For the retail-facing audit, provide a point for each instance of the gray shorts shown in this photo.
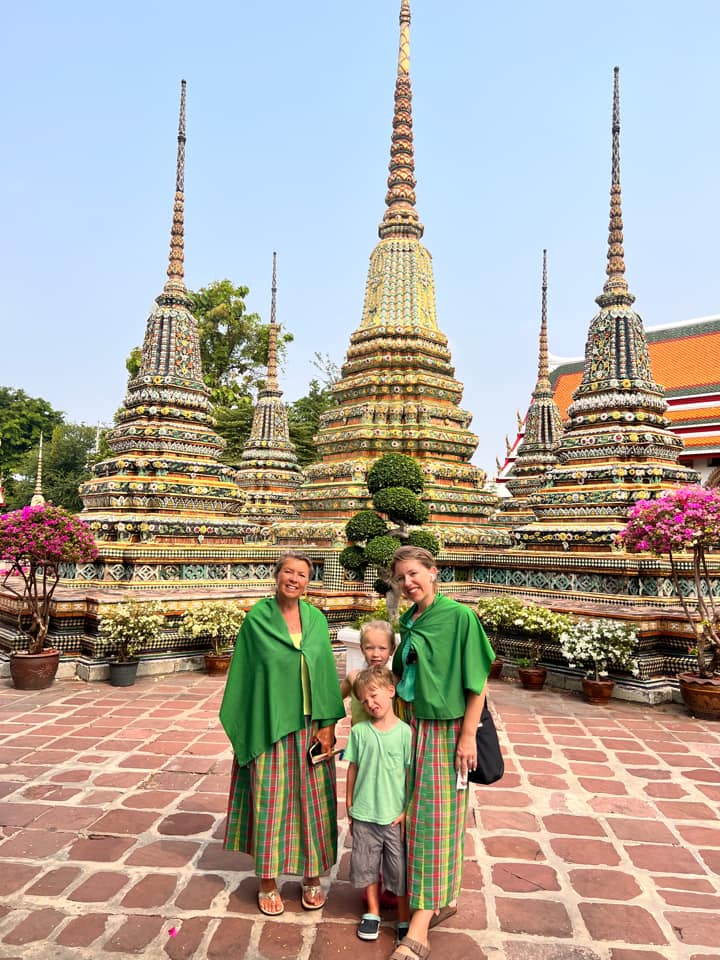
(378, 848)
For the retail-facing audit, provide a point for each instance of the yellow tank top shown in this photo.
(304, 675)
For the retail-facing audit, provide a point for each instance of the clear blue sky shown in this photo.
(289, 113)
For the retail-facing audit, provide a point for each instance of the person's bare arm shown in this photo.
(347, 683)
(349, 788)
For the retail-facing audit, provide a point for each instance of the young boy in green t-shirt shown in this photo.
(378, 752)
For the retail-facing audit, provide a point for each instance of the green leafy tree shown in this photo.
(395, 482)
(67, 457)
(22, 420)
(304, 414)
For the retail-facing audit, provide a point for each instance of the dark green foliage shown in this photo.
(354, 559)
(364, 526)
(22, 420)
(401, 505)
(381, 586)
(421, 538)
(380, 550)
(67, 454)
(304, 420)
(234, 425)
(395, 470)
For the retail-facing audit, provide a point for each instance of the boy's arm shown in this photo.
(349, 788)
(347, 683)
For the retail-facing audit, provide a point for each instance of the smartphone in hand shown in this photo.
(316, 755)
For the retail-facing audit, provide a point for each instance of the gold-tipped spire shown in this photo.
(37, 497)
(175, 283)
(401, 218)
(616, 285)
(271, 382)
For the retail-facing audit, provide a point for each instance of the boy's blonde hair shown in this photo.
(373, 676)
(381, 625)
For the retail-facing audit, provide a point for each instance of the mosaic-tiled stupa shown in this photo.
(269, 472)
(164, 480)
(536, 454)
(397, 392)
(617, 446)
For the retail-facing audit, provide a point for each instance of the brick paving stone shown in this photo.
(213, 783)
(576, 826)
(545, 918)
(630, 806)
(333, 940)
(343, 902)
(184, 945)
(191, 764)
(524, 877)
(591, 852)
(216, 857)
(547, 783)
(82, 931)
(13, 876)
(696, 929)
(36, 926)
(700, 836)
(658, 859)
(128, 778)
(624, 954)
(281, 941)
(167, 780)
(702, 776)
(522, 848)
(595, 785)
(132, 822)
(712, 793)
(150, 800)
(458, 946)
(649, 773)
(617, 921)
(185, 824)
(52, 883)
(99, 849)
(66, 818)
(206, 802)
(230, 939)
(667, 791)
(21, 814)
(627, 829)
(99, 887)
(507, 798)
(507, 820)
(143, 761)
(684, 883)
(681, 898)
(9, 786)
(199, 892)
(34, 844)
(163, 853)
(604, 884)
(134, 935)
(590, 756)
(101, 798)
(536, 950)
(154, 890)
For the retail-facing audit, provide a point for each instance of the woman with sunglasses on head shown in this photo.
(282, 698)
(443, 662)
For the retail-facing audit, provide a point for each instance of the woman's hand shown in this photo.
(326, 736)
(465, 754)
(400, 820)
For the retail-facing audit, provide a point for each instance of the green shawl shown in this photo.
(453, 656)
(263, 698)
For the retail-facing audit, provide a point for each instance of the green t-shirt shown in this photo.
(382, 758)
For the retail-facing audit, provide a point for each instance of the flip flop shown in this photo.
(444, 914)
(274, 897)
(309, 892)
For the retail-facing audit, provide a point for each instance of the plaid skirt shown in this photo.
(435, 827)
(282, 810)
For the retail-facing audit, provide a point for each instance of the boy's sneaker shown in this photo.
(401, 932)
(369, 926)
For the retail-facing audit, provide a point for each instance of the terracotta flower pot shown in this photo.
(532, 678)
(217, 664)
(496, 668)
(34, 671)
(597, 691)
(701, 696)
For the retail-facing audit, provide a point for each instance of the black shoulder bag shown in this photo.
(490, 765)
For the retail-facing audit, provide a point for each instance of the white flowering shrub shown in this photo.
(217, 621)
(537, 623)
(597, 644)
(130, 626)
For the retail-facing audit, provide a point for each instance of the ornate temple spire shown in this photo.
(542, 379)
(268, 471)
(615, 289)
(271, 382)
(175, 283)
(401, 218)
(37, 497)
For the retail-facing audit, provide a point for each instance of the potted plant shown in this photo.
(129, 626)
(217, 622)
(684, 525)
(541, 626)
(595, 644)
(497, 615)
(35, 542)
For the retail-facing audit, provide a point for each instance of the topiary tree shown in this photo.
(394, 481)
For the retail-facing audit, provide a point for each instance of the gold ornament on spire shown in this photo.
(616, 285)
(37, 497)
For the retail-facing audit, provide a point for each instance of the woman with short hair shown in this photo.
(282, 696)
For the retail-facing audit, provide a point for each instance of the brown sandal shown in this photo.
(418, 949)
(443, 914)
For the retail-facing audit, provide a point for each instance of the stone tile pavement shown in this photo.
(602, 841)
